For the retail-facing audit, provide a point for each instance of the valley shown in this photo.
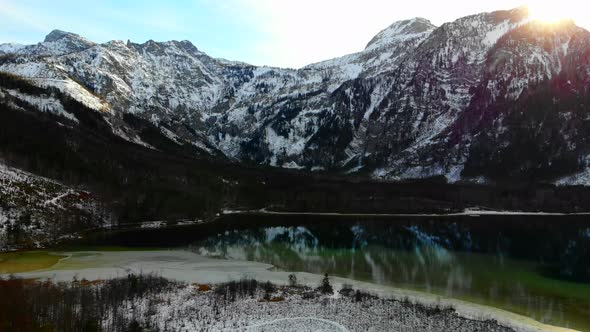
(439, 178)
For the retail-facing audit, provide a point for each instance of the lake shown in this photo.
(537, 266)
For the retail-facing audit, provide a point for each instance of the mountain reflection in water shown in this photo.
(540, 272)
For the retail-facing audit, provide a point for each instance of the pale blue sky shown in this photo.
(287, 33)
(205, 22)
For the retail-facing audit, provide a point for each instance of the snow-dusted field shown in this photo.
(188, 309)
(184, 309)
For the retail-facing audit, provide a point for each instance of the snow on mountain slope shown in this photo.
(10, 48)
(35, 209)
(56, 43)
(426, 95)
(169, 76)
(54, 97)
(175, 84)
(52, 75)
(409, 105)
(163, 82)
(579, 179)
(530, 117)
(383, 53)
(284, 118)
(48, 104)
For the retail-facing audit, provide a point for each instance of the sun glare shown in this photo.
(551, 11)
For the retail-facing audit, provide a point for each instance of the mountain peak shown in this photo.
(401, 30)
(59, 42)
(56, 35)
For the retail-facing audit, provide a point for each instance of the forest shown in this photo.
(28, 305)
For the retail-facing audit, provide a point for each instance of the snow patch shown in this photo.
(44, 104)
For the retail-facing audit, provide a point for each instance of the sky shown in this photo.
(284, 33)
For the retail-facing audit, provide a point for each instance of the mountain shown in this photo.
(487, 97)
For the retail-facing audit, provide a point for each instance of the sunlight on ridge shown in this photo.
(554, 11)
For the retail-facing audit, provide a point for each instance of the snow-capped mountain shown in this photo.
(489, 95)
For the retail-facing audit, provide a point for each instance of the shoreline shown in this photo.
(465, 213)
(159, 224)
(189, 267)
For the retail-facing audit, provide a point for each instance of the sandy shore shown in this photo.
(192, 268)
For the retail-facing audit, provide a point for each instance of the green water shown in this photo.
(534, 266)
(533, 271)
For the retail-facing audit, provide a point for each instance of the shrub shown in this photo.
(325, 287)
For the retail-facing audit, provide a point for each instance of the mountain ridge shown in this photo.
(404, 107)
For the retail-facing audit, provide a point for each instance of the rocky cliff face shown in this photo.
(492, 95)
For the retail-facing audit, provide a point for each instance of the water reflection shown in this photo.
(525, 271)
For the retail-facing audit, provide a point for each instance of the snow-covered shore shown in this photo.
(192, 268)
(293, 309)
